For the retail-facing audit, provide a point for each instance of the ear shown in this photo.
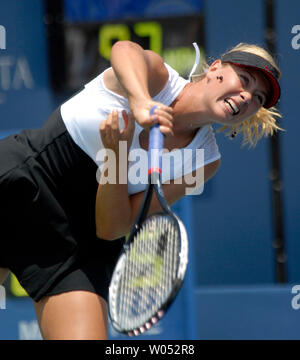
(216, 65)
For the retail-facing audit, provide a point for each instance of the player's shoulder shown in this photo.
(158, 72)
(156, 63)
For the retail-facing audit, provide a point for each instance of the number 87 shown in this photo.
(110, 32)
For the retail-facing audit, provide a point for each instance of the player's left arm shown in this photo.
(122, 216)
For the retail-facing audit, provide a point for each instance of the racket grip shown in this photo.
(156, 143)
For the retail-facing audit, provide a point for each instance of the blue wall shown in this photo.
(289, 60)
(25, 97)
(233, 222)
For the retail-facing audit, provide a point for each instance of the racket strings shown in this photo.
(150, 271)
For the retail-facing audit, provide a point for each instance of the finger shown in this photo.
(165, 114)
(165, 122)
(150, 121)
(125, 118)
(129, 124)
(115, 120)
(166, 130)
(165, 108)
(109, 120)
(102, 125)
(104, 122)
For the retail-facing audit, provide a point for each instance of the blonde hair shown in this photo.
(261, 124)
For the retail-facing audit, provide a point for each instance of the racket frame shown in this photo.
(154, 185)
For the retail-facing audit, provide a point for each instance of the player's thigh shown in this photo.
(74, 315)
(3, 274)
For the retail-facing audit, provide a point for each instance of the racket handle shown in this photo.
(156, 143)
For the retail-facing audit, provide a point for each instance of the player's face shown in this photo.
(240, 93)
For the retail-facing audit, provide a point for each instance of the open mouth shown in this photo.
(231, 106)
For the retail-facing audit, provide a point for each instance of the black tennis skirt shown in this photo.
(48, 236)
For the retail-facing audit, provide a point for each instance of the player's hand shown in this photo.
(163, 115)
(111, 134)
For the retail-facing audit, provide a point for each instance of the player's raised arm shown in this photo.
(142, 74)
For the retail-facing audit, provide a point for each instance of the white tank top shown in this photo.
(83, 113)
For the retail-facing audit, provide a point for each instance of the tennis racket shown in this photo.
(152, 266)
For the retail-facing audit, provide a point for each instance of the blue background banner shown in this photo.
(25, 96)
(109, 10)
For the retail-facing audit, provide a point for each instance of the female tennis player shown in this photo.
(64, 226)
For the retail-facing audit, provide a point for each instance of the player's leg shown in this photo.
(3, 274)
(74, 315)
